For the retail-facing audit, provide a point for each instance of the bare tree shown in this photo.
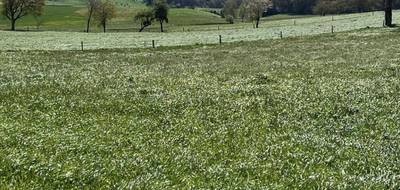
(388, 4)
(145, 17)
(256, 8)
(91, 6)
(104, 12)
(16, 9)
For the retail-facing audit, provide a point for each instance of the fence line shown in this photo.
(284, 32)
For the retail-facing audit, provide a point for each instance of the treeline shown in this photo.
(292, 6)
(191, 3)
(253, 10)
(329, 6)
(345, 6)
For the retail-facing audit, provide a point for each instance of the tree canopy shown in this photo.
(161, 12)
(16, 9)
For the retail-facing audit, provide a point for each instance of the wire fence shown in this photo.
(276, 30)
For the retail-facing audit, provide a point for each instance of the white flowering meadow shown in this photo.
(317, 112)
(196, 35)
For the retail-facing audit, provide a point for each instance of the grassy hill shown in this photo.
(70, 15)
(121, 3)
(299, 113)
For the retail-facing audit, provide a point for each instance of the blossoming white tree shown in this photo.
(256, 8)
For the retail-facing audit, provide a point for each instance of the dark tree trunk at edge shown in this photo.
(143, 27)
(13, 25)
(257, 22)
(388, 12)
(88, 21)
(161, 25)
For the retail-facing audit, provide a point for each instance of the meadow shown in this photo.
(310, 109)
(196, 34)
(71, 16)
(310, 112)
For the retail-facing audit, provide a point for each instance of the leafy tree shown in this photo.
(242, 12)
(16, 9)
(104, 12)
(229, 9)
(161, 12)
(256, 8)
(145, 17)
(92, 6)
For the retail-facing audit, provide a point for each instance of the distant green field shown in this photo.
(194, 34)
(122, 3)
(62, 16)
(314, 112)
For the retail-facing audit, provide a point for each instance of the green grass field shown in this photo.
(299, 113)
(70, 16)
(313, 110)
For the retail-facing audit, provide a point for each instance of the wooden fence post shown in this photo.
(153, 43)
(220, 39)
(281, 34)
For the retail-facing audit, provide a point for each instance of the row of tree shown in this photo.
(329, 6)
(292, 6)
(253, 10)
(237, 8)
(104, 11)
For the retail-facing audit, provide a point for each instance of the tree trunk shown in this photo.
(104, 27)
(388, 13)
(161, 25)
(88, 21)
(142, 28)
(257, 22)
(13, 21)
